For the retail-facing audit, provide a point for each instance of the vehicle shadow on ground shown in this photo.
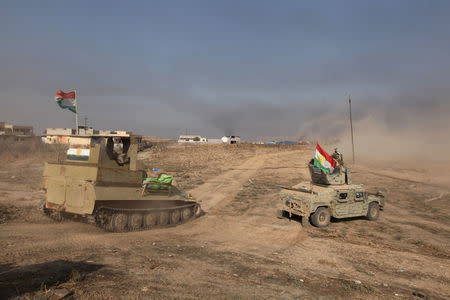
(19, 280)
(308, 223)
(349, 219)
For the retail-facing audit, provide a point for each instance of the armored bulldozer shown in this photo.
(329, 195)
(98, 181)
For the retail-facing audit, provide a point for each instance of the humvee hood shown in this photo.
(321, 189)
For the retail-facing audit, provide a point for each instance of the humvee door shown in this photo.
(341, 207)
(357, 203)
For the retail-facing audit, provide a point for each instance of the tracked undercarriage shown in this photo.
(117, 219)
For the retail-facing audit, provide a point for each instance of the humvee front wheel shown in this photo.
(321, 218)
(373, 212)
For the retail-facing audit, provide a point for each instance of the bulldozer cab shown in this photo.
(104, 151)
(92, 162)
(99, 179)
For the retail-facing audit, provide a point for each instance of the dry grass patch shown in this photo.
(23, 153)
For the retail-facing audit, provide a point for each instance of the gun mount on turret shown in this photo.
(340, 175)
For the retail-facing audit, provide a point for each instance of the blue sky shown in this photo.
(254, 68)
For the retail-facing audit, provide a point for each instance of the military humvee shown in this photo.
(99, 180)
(329, 195)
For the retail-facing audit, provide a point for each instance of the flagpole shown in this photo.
(351, 127)
(76, 111)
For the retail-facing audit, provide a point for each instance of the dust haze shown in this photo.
(411, 127)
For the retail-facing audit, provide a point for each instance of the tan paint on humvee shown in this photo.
(331, 194)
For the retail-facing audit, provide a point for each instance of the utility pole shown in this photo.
(351, 127)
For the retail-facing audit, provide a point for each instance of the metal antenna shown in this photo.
(351, 127)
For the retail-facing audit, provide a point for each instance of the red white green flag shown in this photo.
(67, 100)
(324, 161)
(78, 152)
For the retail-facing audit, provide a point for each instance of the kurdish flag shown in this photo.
(323, 161)
(78, 152)
(67, 100)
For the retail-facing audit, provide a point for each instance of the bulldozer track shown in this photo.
(126, 220)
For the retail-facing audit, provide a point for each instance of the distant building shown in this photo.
(215, 141)
(58, 135)
(15, 132)
(192, 139)
(231, 139)
(63, 135)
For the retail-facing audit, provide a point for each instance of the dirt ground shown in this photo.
(238, 249)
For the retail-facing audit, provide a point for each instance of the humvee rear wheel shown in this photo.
(373, 212)
(119, 222)
(175, 216)
(321, 218)
(135, 221)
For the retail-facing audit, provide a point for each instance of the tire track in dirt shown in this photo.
(216, 193)
(253, 234)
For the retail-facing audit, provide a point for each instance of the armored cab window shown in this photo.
(359, 196)
(342, 196)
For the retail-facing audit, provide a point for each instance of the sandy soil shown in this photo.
(238, 249)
